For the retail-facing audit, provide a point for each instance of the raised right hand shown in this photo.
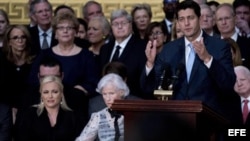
(150, 53)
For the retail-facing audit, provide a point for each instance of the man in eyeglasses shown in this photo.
(226, 22)
(125, 47)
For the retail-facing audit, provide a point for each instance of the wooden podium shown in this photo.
(155, 120)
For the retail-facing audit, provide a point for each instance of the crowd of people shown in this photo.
(60, 73)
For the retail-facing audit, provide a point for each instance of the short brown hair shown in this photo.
(65, 17)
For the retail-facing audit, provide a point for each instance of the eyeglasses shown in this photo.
(16, 38)
(158, 33)
(116, 24)
(62, 28)
(224, 19)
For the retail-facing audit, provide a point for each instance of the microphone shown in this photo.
(166, 80)
(178, 71)
(162, 93)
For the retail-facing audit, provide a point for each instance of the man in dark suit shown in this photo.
(239, 105)
(42, 34)
(125, 48)
(226, 23)
(242, 88)
(207, 20)
(169, 7)
(211, 76)
(242, 12)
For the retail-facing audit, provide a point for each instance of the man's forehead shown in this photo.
(186, 12)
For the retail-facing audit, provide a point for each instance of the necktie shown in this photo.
(245, 110)
(115, 115)
(190, 61)
(116, 54)
(170, 28)
(45, 44)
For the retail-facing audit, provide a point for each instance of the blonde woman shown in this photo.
(51, 119)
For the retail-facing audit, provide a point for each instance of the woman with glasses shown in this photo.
(157, 32)
(77, 62)
(17, 61)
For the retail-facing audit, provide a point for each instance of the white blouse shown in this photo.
(101, 124)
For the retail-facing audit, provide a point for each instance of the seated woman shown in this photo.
(106, 124)
(51, 119)
(97, 103)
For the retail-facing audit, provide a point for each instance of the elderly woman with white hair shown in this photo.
(106, 124)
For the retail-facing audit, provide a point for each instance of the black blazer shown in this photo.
(168, 33)
(134, 58)
(36, 47)
(5, 123)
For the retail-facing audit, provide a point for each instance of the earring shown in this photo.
(103, 37)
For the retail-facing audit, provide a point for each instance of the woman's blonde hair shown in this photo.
(58, 81)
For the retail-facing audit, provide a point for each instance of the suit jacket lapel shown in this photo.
(53, 40)
(198, 62)
(182, 59)
(37, 38)
(129, 46)
(110, 47)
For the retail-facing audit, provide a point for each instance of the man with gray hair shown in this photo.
(42, 35)
(240, 106)
(125, 47)
(207, 20)
(91, 9)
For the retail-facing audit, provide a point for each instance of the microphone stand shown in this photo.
(162, 93)
(165, 90)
